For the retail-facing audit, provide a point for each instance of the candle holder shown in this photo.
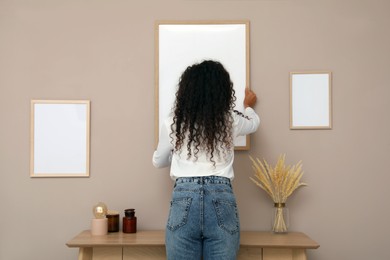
(113, 221)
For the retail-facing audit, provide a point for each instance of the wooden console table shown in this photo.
(150, 245)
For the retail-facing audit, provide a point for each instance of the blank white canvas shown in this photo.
(60, 138)
(182, 45)
(310, 100)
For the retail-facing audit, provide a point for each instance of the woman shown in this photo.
(198, 143)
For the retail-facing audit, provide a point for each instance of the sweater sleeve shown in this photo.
(163, 155)
(246, 123)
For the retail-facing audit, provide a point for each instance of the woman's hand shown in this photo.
(250, 98)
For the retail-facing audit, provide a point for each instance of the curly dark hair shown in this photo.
(202, 110)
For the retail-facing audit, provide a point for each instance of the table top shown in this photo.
(157, 238)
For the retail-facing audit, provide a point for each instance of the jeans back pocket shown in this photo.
(178, 213)
(227, 215)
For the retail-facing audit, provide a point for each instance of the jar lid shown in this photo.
(129, 212)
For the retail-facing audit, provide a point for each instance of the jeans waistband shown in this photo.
(204, 180)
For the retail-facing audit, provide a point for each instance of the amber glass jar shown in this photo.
(129, 221)
(112, 222)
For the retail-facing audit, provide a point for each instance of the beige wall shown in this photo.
(103, 51)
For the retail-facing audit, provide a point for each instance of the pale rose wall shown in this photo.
(103, 51)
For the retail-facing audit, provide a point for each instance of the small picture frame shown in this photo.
(60, 138)
(311, 100)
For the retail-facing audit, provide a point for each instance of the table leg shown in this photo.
(85, 253)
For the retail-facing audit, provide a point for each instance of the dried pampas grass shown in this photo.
(279, 183)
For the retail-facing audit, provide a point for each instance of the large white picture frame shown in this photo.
(180, 44)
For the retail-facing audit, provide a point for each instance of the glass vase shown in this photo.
(280, 218)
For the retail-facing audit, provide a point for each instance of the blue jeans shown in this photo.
(203, 220)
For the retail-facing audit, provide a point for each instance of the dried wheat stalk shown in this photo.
(279, 183)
